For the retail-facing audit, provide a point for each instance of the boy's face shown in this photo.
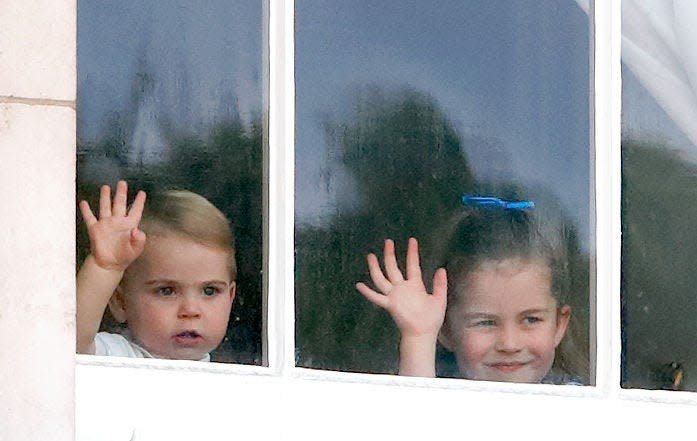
(507, 325)
(176, 297)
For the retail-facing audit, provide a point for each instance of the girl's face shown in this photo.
(505, 325)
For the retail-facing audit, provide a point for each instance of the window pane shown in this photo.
(404, 107)
(659, 170)
(170, 97)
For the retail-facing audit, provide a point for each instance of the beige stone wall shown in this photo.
(37, 216)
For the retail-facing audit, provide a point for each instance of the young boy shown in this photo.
(171, 281)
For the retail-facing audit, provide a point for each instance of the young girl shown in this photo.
(504, 278)
(169, 277)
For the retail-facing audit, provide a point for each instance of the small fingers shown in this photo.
(413, 266)
(120, 199)
(136, 211)
(373, 296)
(104, 201)
(87, 214)
(391, 268)
(376, 274)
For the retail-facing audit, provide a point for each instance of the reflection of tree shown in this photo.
(406, 159)
(225, 166)
(659, 251)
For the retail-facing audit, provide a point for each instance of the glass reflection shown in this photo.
(659, 167)
(170, 97)
(402, 109)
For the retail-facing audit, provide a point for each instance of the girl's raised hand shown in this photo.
(115, 240)
(416, 312)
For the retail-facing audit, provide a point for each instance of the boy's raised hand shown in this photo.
(115, 240)
(417, 313)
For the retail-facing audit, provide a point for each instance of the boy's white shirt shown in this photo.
(117, 345)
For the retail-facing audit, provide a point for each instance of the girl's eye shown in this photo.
(165, 290)
(210, 291)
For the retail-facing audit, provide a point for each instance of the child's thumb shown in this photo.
(137, 238)
(440, 283)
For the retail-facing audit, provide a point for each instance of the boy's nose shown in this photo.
(189, 307)
(508, 339)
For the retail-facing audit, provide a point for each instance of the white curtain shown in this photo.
(659, 46)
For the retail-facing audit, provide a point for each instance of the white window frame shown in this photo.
(49, 393)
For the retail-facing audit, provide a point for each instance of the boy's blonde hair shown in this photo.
(191, 215)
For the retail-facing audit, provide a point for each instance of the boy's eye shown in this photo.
(210, 291)
(165, 290)
(530, 320)
(485, 322)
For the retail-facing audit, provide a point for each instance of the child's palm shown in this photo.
(114, 243)
(115, 240)
(415, 311)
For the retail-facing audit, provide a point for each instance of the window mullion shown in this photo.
(280, 173)
(606, 133)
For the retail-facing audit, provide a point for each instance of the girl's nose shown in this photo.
(509, 339)
(189, 307)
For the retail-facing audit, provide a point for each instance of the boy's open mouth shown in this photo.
(187, 336)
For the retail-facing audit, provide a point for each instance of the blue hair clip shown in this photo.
(494, 202)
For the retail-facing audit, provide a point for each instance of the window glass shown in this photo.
(170, 97)
(404, 107)
(659, 170)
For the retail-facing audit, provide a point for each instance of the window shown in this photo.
(157, 399)
(401, 109)
(170, 97)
